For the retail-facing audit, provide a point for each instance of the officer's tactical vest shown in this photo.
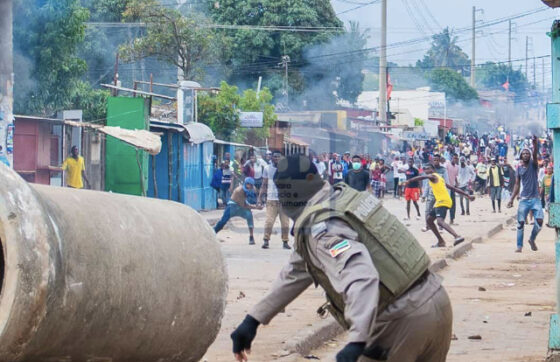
(395, 252)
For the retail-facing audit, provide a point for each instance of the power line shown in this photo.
(358, 7)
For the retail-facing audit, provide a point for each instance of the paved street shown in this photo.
(503, 297)
(491, 265)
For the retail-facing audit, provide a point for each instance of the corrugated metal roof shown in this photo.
(196, 132)
(199, 132)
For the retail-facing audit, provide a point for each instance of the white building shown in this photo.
(408, 105)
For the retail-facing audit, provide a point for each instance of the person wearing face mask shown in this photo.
(383, 293)
(357, 177)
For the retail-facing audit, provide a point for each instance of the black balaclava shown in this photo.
(297, 181)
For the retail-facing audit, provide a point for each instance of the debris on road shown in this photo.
(481, 289)
(476, 336)
(528, 314)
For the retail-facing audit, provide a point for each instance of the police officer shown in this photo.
(374, 273)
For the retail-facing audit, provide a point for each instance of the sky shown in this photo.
(414, 19)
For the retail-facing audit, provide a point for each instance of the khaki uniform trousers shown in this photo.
(274, 209)
(421, 336)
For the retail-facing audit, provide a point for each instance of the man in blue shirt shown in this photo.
(527, 175)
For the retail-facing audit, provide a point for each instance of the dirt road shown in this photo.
(504, 297)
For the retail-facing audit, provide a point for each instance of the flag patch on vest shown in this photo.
(339, 248)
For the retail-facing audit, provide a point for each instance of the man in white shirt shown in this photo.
(259, 168)
(273, 207)
(396, 165)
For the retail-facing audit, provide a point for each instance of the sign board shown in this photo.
(415, 136)
(251, 119)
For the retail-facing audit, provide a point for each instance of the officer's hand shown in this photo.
(351, 352)
(243, 336)
(471, 198)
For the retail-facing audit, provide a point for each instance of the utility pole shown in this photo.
(509, 44)
(527, 57)
(284, 63)
(534, 73)
(543, 87)
(383, 65)
(473, 52)
(6, 80)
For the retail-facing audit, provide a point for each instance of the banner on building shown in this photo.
(251, 119)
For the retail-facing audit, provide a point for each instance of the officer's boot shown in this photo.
(265, 244)
(251, 240)
(286, 246)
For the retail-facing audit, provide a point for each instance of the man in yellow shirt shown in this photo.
(76, 168)
(442, 204)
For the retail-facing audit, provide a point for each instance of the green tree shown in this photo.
(453, 84)
(106, 10)
(444, 52)
(256, 52)
(47, 37)
(249, 102)
(170, 37)
(493, 76)
(221, 112)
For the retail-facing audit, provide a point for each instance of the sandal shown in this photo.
(458, 240)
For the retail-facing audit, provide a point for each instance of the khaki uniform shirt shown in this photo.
(352, 273)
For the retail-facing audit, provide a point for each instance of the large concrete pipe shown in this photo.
(93, 276)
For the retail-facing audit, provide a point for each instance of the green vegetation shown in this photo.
(221, 112)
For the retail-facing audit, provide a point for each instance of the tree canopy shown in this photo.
(221, 112)
(493, 76)
(453, 84)
(252, 53)
(184, 41)
(444, 52)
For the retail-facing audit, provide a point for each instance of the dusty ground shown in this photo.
(252, 270)
(511, 316)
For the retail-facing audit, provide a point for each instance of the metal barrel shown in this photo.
(96, 276)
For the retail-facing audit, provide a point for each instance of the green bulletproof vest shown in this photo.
(395, 252)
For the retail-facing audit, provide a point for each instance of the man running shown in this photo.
(443, 203)
(411, 190)
(527, 178)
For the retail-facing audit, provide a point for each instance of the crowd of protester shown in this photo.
(467, 165)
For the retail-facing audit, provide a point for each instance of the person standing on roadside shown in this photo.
(495, 183)
(527, 178)
(76, 170)
(358, 178)
(273, 208)
(412, 190)
(452, 168)
(509, 180)
(336, 170)
(396, 165)
(465, 177)
(222, 182)
(481, 176)
(442, 204)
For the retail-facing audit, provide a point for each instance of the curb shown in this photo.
(460, 250)
(312, 337)
(315, 336)
(495, 230)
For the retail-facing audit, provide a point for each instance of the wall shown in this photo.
(122, 173)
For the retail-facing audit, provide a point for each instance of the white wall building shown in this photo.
(408, 105)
